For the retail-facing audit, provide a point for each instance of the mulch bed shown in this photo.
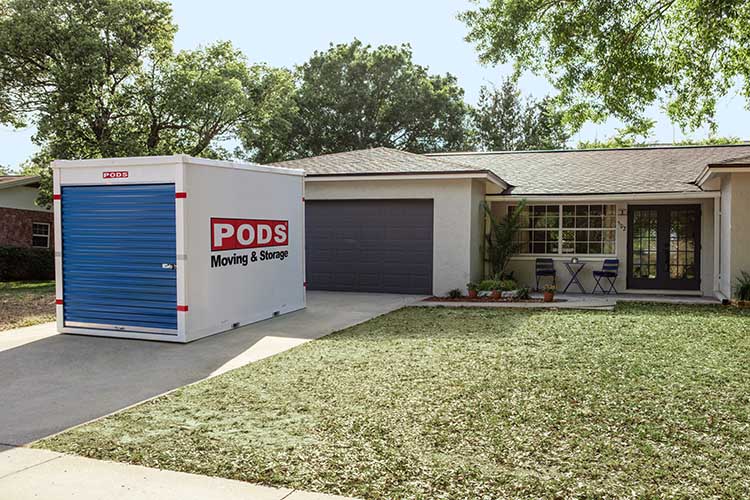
(480, 299)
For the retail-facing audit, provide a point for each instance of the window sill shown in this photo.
(566, 257)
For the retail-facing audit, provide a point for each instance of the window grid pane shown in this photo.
(40, 234)
(567, 229)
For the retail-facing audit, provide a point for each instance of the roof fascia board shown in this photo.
(20, 182)
(710, 171)
(607, 197)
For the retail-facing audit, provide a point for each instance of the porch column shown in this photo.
(717, 246)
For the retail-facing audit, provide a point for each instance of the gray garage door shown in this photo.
(369, 245)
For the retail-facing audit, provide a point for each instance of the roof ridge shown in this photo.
(422, 156)
(592, 150)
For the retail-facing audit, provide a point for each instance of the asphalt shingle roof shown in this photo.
(376, 161)
(741, 161)
(631, 170)
(661, 169)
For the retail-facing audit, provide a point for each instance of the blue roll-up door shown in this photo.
(116, 242)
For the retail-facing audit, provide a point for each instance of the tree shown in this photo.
(353, 96)
(626, 137)
(502, 240)
(619, 57)
(503, 121)
(68, 66)
(198, 98)
(634, 136)
(99, 79)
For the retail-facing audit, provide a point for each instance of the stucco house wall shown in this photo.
(455, 204)
(478, 191)
(22, 198)
(739, 227)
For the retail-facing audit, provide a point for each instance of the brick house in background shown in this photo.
(22, 222)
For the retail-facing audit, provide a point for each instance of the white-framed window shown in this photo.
(40, 235)
(584, 229)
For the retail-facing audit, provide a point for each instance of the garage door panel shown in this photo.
(368, 256)
(370, 245)
(373, 233)
(370, 280)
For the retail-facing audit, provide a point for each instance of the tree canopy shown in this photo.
(617, 58)
(504, 121)
(354, 96)
(99, 78)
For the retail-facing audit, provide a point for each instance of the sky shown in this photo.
(287, 32)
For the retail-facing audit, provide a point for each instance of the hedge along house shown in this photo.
(389, 221)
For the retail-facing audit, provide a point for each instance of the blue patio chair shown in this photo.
(610, 268)
(545, 267)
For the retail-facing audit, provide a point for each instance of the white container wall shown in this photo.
(175, 248)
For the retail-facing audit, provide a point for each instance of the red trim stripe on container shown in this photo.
(180, 194)
(57, 197)
(182, 308)
(58, 302)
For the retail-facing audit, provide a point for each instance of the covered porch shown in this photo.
(666, 243)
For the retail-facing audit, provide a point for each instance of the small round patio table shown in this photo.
(574, 269)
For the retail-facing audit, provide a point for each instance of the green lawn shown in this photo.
(24, 303)
(649, 401)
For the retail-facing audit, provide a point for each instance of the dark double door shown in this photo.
(664, 247)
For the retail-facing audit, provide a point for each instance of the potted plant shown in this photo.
(487, 287)
(491, 288)
(549, 293)
(473, 289)
(508, 289)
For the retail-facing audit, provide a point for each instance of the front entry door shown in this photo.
(664, 247)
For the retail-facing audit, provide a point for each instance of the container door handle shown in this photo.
(169, 266)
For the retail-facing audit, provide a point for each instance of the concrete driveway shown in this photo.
(50, 382)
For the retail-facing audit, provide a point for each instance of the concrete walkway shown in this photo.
(52, 382)
(27, 474)
(579, 301)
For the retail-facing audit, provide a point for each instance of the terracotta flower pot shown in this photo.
(495, 294)
(549, 297)
(472, 294)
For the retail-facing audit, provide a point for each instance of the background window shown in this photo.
(40, 235)
(568, 229)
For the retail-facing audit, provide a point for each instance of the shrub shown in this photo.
(502, 285)
(743, 286)
(524, 293)
(26, 264)
(488, 285)
(455, 293)
(508, 285)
